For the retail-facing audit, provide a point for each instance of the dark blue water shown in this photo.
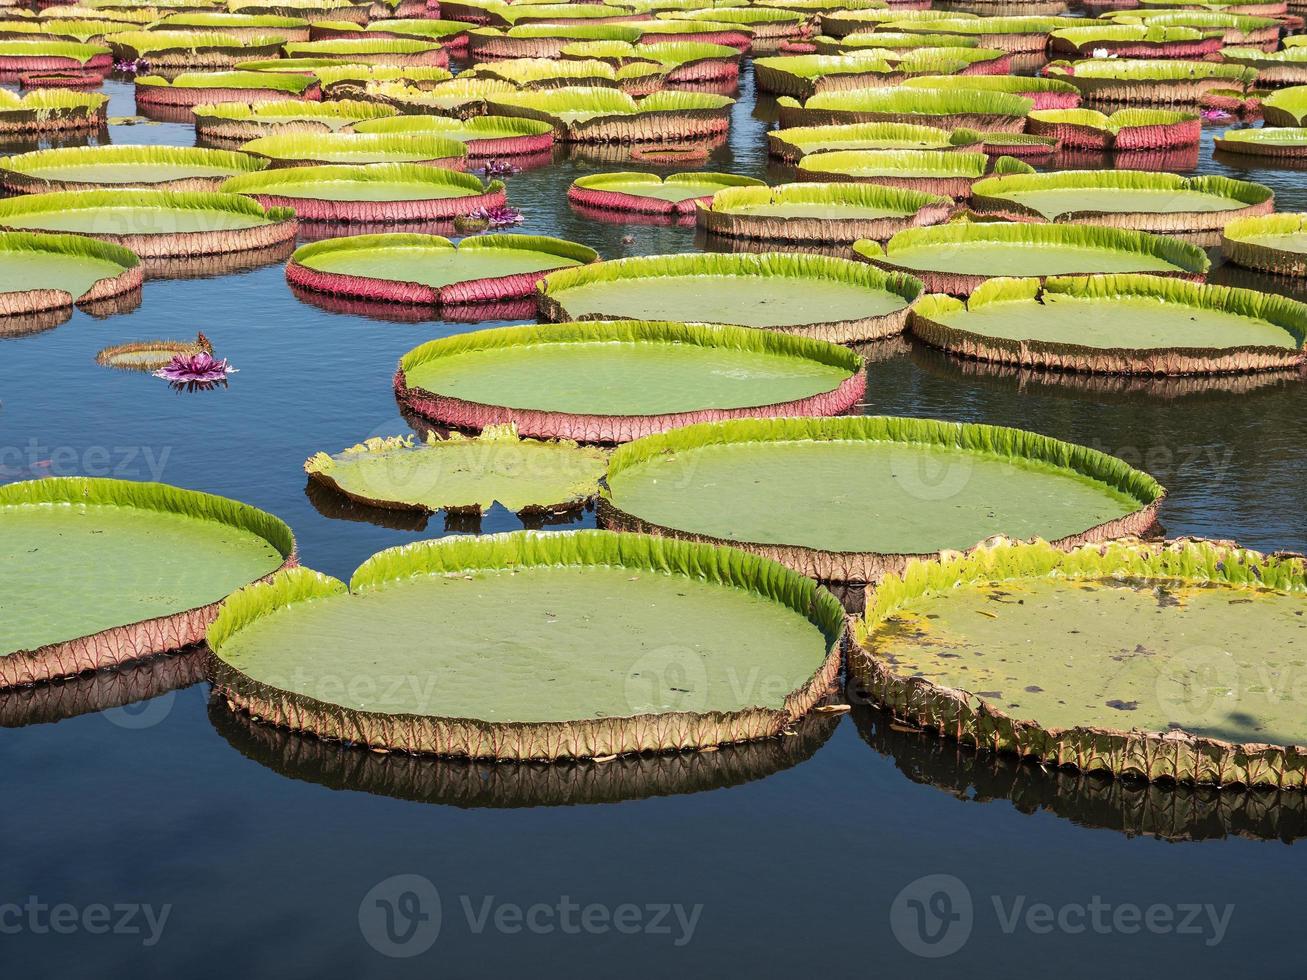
(270, 853)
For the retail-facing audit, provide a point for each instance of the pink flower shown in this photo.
(501, 216)
(499, 168)
(196, 371)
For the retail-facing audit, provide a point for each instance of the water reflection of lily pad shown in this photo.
(1127, 806)
(472, 784)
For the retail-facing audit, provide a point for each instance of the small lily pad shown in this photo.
(151, 355)
(464, 474)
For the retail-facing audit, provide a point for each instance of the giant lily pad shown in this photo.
(375, 192)
(50, 55)
(154, 223)
(313, 149)
(606, 115)
(679, 61)
(193, 49)
(310, 10)
(92, 167)
(512, 687)
(1126, 129)
(1274, 68)
(841, 23)
(1152, 82)
(637, 78)
(175, 555)
(39, 273)
(1136, 41)
(464, 474)
(151, 355)
(852, 499)
(237, 122)
(951, 108)
(1124, 324)
(51, 111)
(929, 171)
(738, 36)
(1044, 93)
(541, 40)
(1124, 198)
(798, 141)
(484, 136)
(197, 88)
(1287, 143)
(818, 213)
(1287, 107)
(80, 29)
(1232, 29)
(236, 25)
(616, 380)
(802, 76)
(896, 41)
(767, 24)
(1017, 35)
(461, 97)
(642, 193)
(431, 270)
(957, 258)
(381, 50)
(450, 34)
(1124, 659)
(1275, 243)
(814, 295)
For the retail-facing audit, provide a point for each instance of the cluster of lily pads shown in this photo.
(698, 402)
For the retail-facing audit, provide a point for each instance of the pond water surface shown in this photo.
(780, 860)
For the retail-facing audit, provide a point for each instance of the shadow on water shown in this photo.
(101, 691)
(464, 783)
(1131, 807)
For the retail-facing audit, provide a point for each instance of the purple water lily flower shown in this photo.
(196, 371)
(1216, 115)
(501, 216)
(134, 67)
(499, 168)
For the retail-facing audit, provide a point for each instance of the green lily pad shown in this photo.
(952, 258)
(803, 293)
(171, 551)
(90, 167)
(842, 497)
(464, 474)
(1156, 661)
(666, 627)
(150, 355)
(1118, 324)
